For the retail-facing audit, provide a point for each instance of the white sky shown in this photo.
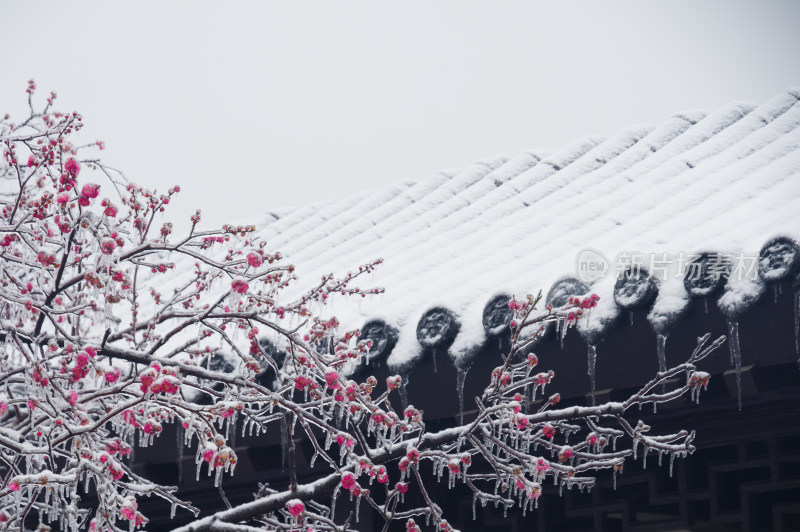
(260, 105)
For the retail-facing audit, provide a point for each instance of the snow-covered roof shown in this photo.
(727, 181)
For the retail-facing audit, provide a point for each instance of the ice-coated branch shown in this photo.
(112, 327)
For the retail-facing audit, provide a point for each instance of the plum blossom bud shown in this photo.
(295, 507)
(90, 190)
(454, 466)
(72, 166)
(348, 481)
(112, 376)
(411, 526)
(413, 455)
(254, 259)
(239, 286)
(394, 382)
(332, 380)
(108, 246)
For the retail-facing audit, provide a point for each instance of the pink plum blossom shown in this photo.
(295, 507)
(72, 166)
(239, 286)
(90, 190)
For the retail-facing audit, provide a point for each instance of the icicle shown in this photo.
(736, 356)
(662, 353)
(592, 355)
(705, 301)
(776, 289)
(283, 446)
(460, 379)
(433, 355)
(132, 444)
(661, 347)
(333, 502)
(180, 437)
(403, 392)
(630, 315)
(797, 319)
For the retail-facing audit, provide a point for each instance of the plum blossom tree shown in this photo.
(104, 341)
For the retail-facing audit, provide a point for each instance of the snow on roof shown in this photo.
(724, 181)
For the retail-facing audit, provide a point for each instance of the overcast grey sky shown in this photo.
(258, 105)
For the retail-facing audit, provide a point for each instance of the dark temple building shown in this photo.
(685, 228)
